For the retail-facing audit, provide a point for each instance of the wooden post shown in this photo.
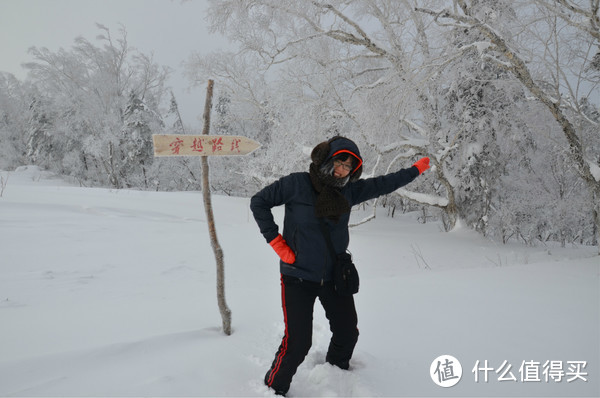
(207, 145)
(223, 308)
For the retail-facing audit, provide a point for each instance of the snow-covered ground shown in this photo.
(112, 293)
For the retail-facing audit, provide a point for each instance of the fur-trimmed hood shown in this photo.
(326, 150)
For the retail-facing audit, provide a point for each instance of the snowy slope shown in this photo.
(112, 293)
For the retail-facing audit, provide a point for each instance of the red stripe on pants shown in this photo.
(285, 338)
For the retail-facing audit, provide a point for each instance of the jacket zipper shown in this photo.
(327, 255)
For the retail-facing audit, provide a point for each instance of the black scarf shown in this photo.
(330, 202)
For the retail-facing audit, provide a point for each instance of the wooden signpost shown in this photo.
(202, 145)
(207, 145)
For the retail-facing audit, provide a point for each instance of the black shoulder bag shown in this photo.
(345, 275)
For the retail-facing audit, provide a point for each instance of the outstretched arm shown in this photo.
(372, 188)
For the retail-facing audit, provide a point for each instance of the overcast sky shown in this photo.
(171, 29)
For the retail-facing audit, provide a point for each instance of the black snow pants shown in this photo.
(298, 298)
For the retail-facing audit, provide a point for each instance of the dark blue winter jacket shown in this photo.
(301, 228)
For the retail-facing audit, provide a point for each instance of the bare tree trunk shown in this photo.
(109, 167)
(3, 182)
(210, 220)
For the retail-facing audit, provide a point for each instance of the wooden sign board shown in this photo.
(202, 145)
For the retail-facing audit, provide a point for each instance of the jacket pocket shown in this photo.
(295, 243)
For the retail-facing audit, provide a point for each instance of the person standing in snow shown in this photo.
(328, 192)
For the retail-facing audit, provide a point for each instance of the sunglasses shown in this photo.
(345, 166)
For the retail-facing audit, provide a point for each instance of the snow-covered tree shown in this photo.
(89, 90)
(558, 81)
(412, 78)
(14, 121)
(348, 68)
(137, 152)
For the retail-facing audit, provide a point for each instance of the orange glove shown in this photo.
(283, 250)
(422, 164)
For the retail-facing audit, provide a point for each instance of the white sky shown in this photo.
(170, 29)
